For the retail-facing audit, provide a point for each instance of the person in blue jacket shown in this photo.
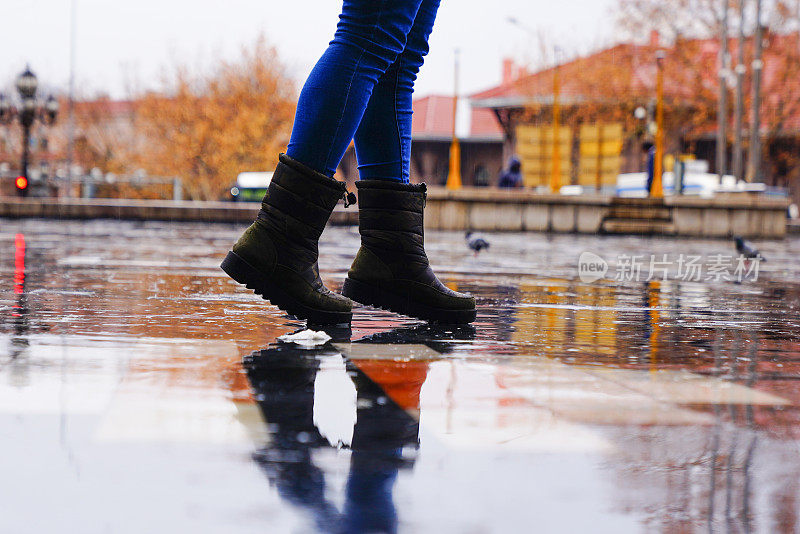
(650, 149)
(512, 176)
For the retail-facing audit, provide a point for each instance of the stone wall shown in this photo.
(155, 210)
(513, 210)
(484, 209)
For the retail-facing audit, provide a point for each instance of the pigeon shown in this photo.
(476, 242)
(747, 250)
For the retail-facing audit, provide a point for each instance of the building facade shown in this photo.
(609, 85)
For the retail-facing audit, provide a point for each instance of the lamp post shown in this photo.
(555, 177)
(657, 190)
(454, 174)
(29, 110)
(26, 87)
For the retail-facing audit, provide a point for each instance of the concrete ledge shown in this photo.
(511, 196)
(511, 210)
(159, 210)
(729, 201)
(467, 209)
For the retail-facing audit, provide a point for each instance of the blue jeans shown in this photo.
(361, 89)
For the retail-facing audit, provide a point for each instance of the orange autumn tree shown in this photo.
(614, 83)
(607, 86)
(206, 129)
(688, 25)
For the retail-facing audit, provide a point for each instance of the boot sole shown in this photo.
(371, 295)
(250, 277)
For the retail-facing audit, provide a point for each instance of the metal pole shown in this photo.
(722, 112)
(754, 161)
(71, 98)
(657, 190)
(454, 176)
(26, 141)
(599, 175)
(555, 179)
(739, 100)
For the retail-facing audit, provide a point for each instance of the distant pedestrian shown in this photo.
(512, 176)
(650, 149)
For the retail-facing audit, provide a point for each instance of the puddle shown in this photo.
(138, 385)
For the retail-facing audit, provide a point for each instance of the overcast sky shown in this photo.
(123, 43)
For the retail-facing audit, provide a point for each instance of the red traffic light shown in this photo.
(21, 182)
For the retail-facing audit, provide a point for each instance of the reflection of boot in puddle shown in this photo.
(441, 338)
(385, 436)
(282, 379)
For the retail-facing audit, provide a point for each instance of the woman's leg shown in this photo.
(277, 255)
(370, 36)
(383, 139)
(391, 270)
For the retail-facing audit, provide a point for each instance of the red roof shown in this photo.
(627, 58)
(433, 118)
(484, 124)
(630, 70)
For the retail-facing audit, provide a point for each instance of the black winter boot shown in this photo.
(391, 270)
(277, 255)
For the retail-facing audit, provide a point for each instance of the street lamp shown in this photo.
(50, 110)
(27, 84)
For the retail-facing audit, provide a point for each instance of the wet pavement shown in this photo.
(143, 391)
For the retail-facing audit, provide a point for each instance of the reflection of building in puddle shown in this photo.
(540, 321)
(678, 406)
(727, 473)
(560, 317)
(727, 477)
(651, 325)
(595, 319)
